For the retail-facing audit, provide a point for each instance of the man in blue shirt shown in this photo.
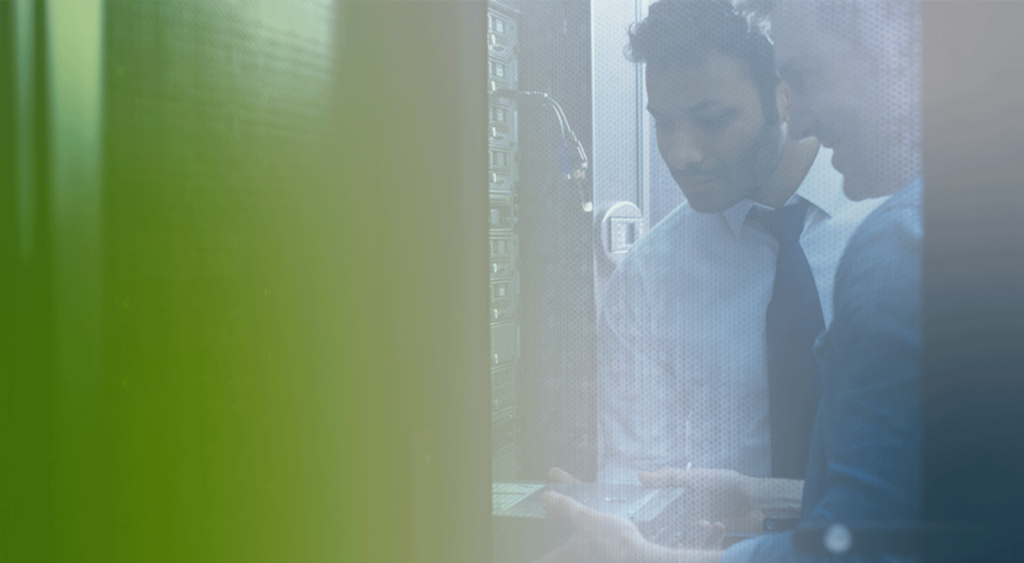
(853, 69)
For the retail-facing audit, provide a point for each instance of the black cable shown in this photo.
(577, 155)
(572, 157)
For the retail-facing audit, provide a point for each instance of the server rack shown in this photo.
(503, 175)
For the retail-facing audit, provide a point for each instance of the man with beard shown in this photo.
(695, 368)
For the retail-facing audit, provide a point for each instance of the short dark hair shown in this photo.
(686, 31)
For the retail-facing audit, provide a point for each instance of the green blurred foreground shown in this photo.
(226, 335)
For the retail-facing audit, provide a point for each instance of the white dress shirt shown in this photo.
(683, 377)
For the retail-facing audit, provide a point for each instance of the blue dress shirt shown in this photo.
(864, 464)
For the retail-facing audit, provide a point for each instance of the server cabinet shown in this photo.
(503, 177)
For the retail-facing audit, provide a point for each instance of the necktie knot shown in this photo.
(784, 224)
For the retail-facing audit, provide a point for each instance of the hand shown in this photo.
(597, 537)
(556, 475)
(603, 538)
(719, 495)
(703, 534)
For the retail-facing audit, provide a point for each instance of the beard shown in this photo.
(761, 159)
(744, 175)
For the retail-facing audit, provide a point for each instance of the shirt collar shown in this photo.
(822, 187)
(737, 214)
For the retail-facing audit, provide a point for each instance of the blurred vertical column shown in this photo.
(973, 306)
(73, 60)
(27, 501)
(414, 107)
(225, 389)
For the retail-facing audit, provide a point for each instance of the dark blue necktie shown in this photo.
(792, 322)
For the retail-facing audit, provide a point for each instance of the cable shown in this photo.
(578, 163)
(573, 163)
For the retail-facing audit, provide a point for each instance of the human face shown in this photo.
(842, 92)
(711, 130)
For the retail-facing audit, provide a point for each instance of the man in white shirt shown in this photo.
(684, 377)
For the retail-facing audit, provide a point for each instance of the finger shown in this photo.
(572, 513)
(560, 506)
(559, 475)
(709, 535)
(715, 536)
